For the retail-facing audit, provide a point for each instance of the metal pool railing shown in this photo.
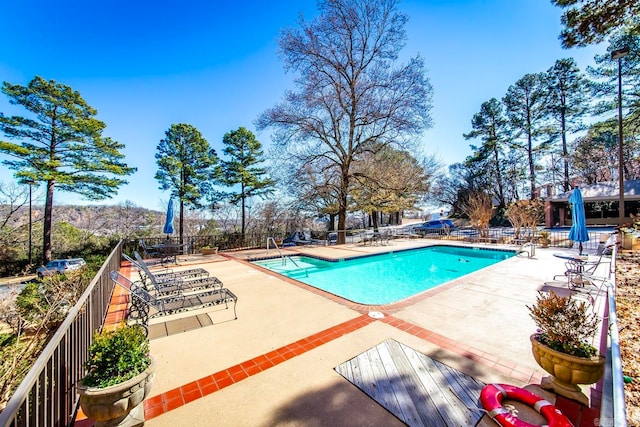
(47, 395)
(613, 408)
(557, 238)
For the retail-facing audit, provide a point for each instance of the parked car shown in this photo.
(59, 266)
(434, 226)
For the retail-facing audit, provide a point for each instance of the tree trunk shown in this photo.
(532, 170)
(342, 221)
(496, 161)
(565, 155)
(48, 210)
(242, 198)
(374, 217)
(332, 222)
(181, 221)
(342, 204)
(181, 196)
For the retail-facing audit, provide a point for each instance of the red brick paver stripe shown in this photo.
(119, 304)
(172, 399)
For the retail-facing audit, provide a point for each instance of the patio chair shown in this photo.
(582, 270)
(149, 252)
(143, 300)
(385, 237)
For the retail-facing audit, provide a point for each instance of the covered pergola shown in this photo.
(601, 204)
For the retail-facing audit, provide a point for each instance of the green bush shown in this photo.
(6, 340)
(31, 303)
(117, 356)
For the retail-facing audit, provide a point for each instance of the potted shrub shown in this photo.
(630, 235)
(544, 239)
(561, 346)
(120, 373)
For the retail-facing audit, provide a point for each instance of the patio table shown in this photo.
(575, 266)
(169, 251)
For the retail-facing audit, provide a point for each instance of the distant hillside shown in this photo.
(100, 220)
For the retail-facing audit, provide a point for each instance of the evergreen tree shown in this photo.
(568, 102)
(491, 125)
(245, 153)
(595, 155)
(526, 109)
(589, 21)
(605, 75)
(61, 145)
(187, 166)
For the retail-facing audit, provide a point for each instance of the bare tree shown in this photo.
(31, 316)
(390, 181)
(479, 209)
(525, 214)
(13, 227)
(351, 96)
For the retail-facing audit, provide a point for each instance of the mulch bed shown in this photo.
(628, 309)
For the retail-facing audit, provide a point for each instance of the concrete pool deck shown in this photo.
(274, 365)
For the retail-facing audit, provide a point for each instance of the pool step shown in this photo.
(302, 272)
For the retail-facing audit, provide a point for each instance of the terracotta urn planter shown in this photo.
(567, 371)
(118, 405)
(630, 241)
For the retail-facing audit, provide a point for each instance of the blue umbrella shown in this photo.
(578, 232)
(168, 225)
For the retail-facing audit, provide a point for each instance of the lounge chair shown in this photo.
(143, 300)
(167, 274)
(176, 285)
(300, 238)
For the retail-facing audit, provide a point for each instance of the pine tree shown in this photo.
(245, 153)
(61, 145)
(187, 166)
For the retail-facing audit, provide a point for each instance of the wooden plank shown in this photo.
(464, 386)
(345, 370)
(462, 408)
(416, 409)
(428, 396)
(368, 380)
(414, 387)
(387, 395)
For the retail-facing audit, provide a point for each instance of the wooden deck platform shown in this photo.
(417, 389)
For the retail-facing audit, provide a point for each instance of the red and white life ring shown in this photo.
(491, 398)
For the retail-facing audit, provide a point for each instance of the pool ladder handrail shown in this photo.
(284, 258)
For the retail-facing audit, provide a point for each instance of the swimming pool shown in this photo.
(389, 277)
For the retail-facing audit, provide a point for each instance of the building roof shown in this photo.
(604, 191)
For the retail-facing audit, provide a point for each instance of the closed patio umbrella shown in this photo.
(168, 225)
(578, 232)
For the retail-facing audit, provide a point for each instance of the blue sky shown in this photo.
(212, 64)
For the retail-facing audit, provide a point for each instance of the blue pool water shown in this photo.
(389, 277)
